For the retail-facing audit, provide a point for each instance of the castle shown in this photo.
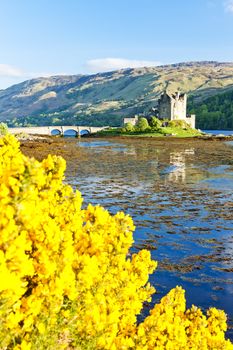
(173, 107)
(170, 107)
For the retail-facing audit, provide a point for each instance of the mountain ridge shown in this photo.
(109, 96)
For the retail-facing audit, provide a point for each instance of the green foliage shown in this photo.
(3, 129)
(143, 125)
(215, 112)
(178, 124)
(110, 132)
(155, 123)
(129, 127)
(178, 128)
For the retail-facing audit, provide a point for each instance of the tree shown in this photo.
(129, 127)
(155, 123)
(142, 124)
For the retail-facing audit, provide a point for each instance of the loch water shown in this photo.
(179, 193)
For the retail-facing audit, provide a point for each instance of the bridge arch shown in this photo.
(70, 132)
(55, 132)
(84, 132)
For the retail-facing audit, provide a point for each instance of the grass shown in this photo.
(110, 132)
(179, 132)
(164, 131)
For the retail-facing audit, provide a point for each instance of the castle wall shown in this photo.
(191, 120)
(132, 120)
(164, 107)
(179, 104)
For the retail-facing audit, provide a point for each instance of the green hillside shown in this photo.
(215, 112)
(106, 98)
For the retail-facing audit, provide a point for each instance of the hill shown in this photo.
(106, 98)
(215, 112)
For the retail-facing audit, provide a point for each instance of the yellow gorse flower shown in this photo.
(66, 278)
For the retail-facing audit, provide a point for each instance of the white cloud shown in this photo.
(110, 64)
(228, 4)
(9, 71)
(10, 75)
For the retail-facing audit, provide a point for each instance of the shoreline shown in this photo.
(40, 146)
(44, 138)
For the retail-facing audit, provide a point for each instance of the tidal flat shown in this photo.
(179, 193)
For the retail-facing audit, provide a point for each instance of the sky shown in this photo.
(50, 37)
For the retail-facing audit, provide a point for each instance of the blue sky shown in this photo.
(48, 37)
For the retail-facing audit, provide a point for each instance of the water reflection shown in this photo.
(177, 171)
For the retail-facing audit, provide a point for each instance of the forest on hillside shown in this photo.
(215, 112)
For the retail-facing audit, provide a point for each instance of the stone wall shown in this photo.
(164, 107)
(132, 120)
(191, 120)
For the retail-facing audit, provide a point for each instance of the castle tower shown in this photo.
(164, 106)
(174, 107)
(178, 106)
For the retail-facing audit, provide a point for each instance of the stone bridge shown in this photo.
(57, 130)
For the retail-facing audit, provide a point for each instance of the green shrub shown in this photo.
(129, 127)
(3, 129)
(155, 123)
(179, 123)
(142, 124)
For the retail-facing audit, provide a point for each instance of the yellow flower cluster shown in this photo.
(67, 280)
